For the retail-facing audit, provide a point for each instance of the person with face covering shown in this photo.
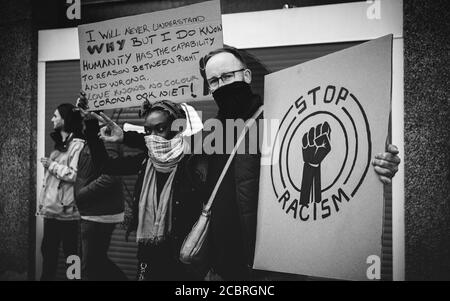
(166, 201)
(233, 213)
(56, 201)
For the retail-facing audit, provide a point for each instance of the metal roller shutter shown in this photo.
(63, 85)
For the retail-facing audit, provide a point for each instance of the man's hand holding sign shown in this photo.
(386, 164)
(110, 131)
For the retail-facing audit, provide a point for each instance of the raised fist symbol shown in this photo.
(315, 147)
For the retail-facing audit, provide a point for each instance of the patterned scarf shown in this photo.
(165, 154)
(155, 218)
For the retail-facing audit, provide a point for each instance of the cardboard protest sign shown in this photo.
(320, 202)
(152, 56)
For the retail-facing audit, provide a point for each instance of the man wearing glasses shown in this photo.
(233, 215)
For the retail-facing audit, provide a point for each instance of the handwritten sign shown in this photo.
(152, 56)
(320, 209)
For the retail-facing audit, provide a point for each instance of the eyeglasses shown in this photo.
(226, 78)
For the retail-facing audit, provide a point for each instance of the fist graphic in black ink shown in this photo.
(315, 147)
(316, 144)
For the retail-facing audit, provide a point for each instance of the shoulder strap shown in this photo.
(248, 125)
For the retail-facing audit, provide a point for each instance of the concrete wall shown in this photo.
(427, 136)
(18, 58)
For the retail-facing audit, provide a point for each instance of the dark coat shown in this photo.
(95, 193)
(246, 170)
(187, 202)
(246, 173)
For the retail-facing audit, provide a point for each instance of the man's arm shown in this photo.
(111, 132)
(100, 186)
(100, 159)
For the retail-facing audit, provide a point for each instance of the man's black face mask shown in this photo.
(234, 100)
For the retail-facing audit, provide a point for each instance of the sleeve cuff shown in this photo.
(52, 166)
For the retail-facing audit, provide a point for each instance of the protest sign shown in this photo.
(152, 56)
(320, 207)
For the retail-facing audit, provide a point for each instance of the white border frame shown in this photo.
(284, 27)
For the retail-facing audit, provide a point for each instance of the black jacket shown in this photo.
(95, 193)
(187, 201)
(245, 168)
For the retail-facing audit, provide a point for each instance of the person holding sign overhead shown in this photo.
(99, 199)
(166, 201)
(233, 216)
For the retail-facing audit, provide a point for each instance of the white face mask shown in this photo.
(165, 154)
